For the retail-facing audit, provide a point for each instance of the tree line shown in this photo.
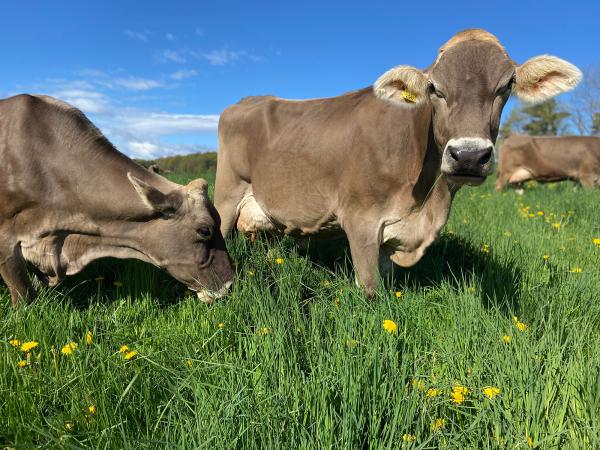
(579, 114)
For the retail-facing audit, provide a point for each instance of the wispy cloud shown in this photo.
(169, 37)
(183, 74)
(137, 84)
(224, 56)
(89, 101)
(199, 32)
(141, 36)
(168, 55)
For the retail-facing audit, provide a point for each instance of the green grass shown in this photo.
(301, 359)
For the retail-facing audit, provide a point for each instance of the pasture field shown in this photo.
(494, 343)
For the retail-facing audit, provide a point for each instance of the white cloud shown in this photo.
(157, 149)
(157, 124)
(137, 84)
(199, 32)
(183, 74)
(223, 56)
(137, 35)
(90, 102)
(169, 55)
(170, 37)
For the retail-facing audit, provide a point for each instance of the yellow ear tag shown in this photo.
(408, 96)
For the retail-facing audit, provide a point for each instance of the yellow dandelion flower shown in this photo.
(485, 248)
(250, 273)
(124, 348)
(27, 346)
(596, 241)
(530, 215)
(221, 326)
(438, 424)
(491, 391)
(88, 337)
(22, 363)
(118, 284)
(457, 397)
(14, 342)
(398, 294)
(556, 225)
(521, 326)
(264, 331)
(406, 437)
(189, 362)
(92, 409)
(69, 348)
(127, 356)
(460, 389)
(390, 326)
(576, 270)
(69, 426)
(433, 392)
(506, 338)
(546, 257)
(279, 261)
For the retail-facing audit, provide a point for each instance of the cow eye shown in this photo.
(434, 91)
(507, 87)
(205, 232)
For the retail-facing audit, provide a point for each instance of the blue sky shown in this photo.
(155, 75)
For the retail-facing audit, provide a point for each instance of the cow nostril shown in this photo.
(453, 153)
(486, 155)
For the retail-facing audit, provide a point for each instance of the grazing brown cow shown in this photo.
(154, 168)
(381, 164)
(525, 158)
(68, 197)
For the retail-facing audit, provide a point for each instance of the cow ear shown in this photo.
(152, 197)
(543, 77)
(403, 85)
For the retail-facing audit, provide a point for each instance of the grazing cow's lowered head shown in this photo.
(185, 238)
(467, 87)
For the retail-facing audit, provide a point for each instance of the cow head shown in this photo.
(183, 237)
(466, 88)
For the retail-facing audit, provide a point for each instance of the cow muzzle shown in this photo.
(468, 160)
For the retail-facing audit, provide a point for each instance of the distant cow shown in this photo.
(523, 158)
(381, 164)
(68, 197)
(154, 168)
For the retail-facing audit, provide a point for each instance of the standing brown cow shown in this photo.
(381, 164)
(523, 158)
(68, 197)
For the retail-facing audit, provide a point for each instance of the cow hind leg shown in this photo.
(14, 272)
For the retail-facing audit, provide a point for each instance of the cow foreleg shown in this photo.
(14, 272)
(364, 247)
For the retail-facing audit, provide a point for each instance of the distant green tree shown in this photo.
(596, 123)
(545, 119)
(513, 124)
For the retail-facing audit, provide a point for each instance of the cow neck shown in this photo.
(431, 186)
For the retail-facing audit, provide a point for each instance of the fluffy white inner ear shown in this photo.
(403, 85)
(543, 77)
